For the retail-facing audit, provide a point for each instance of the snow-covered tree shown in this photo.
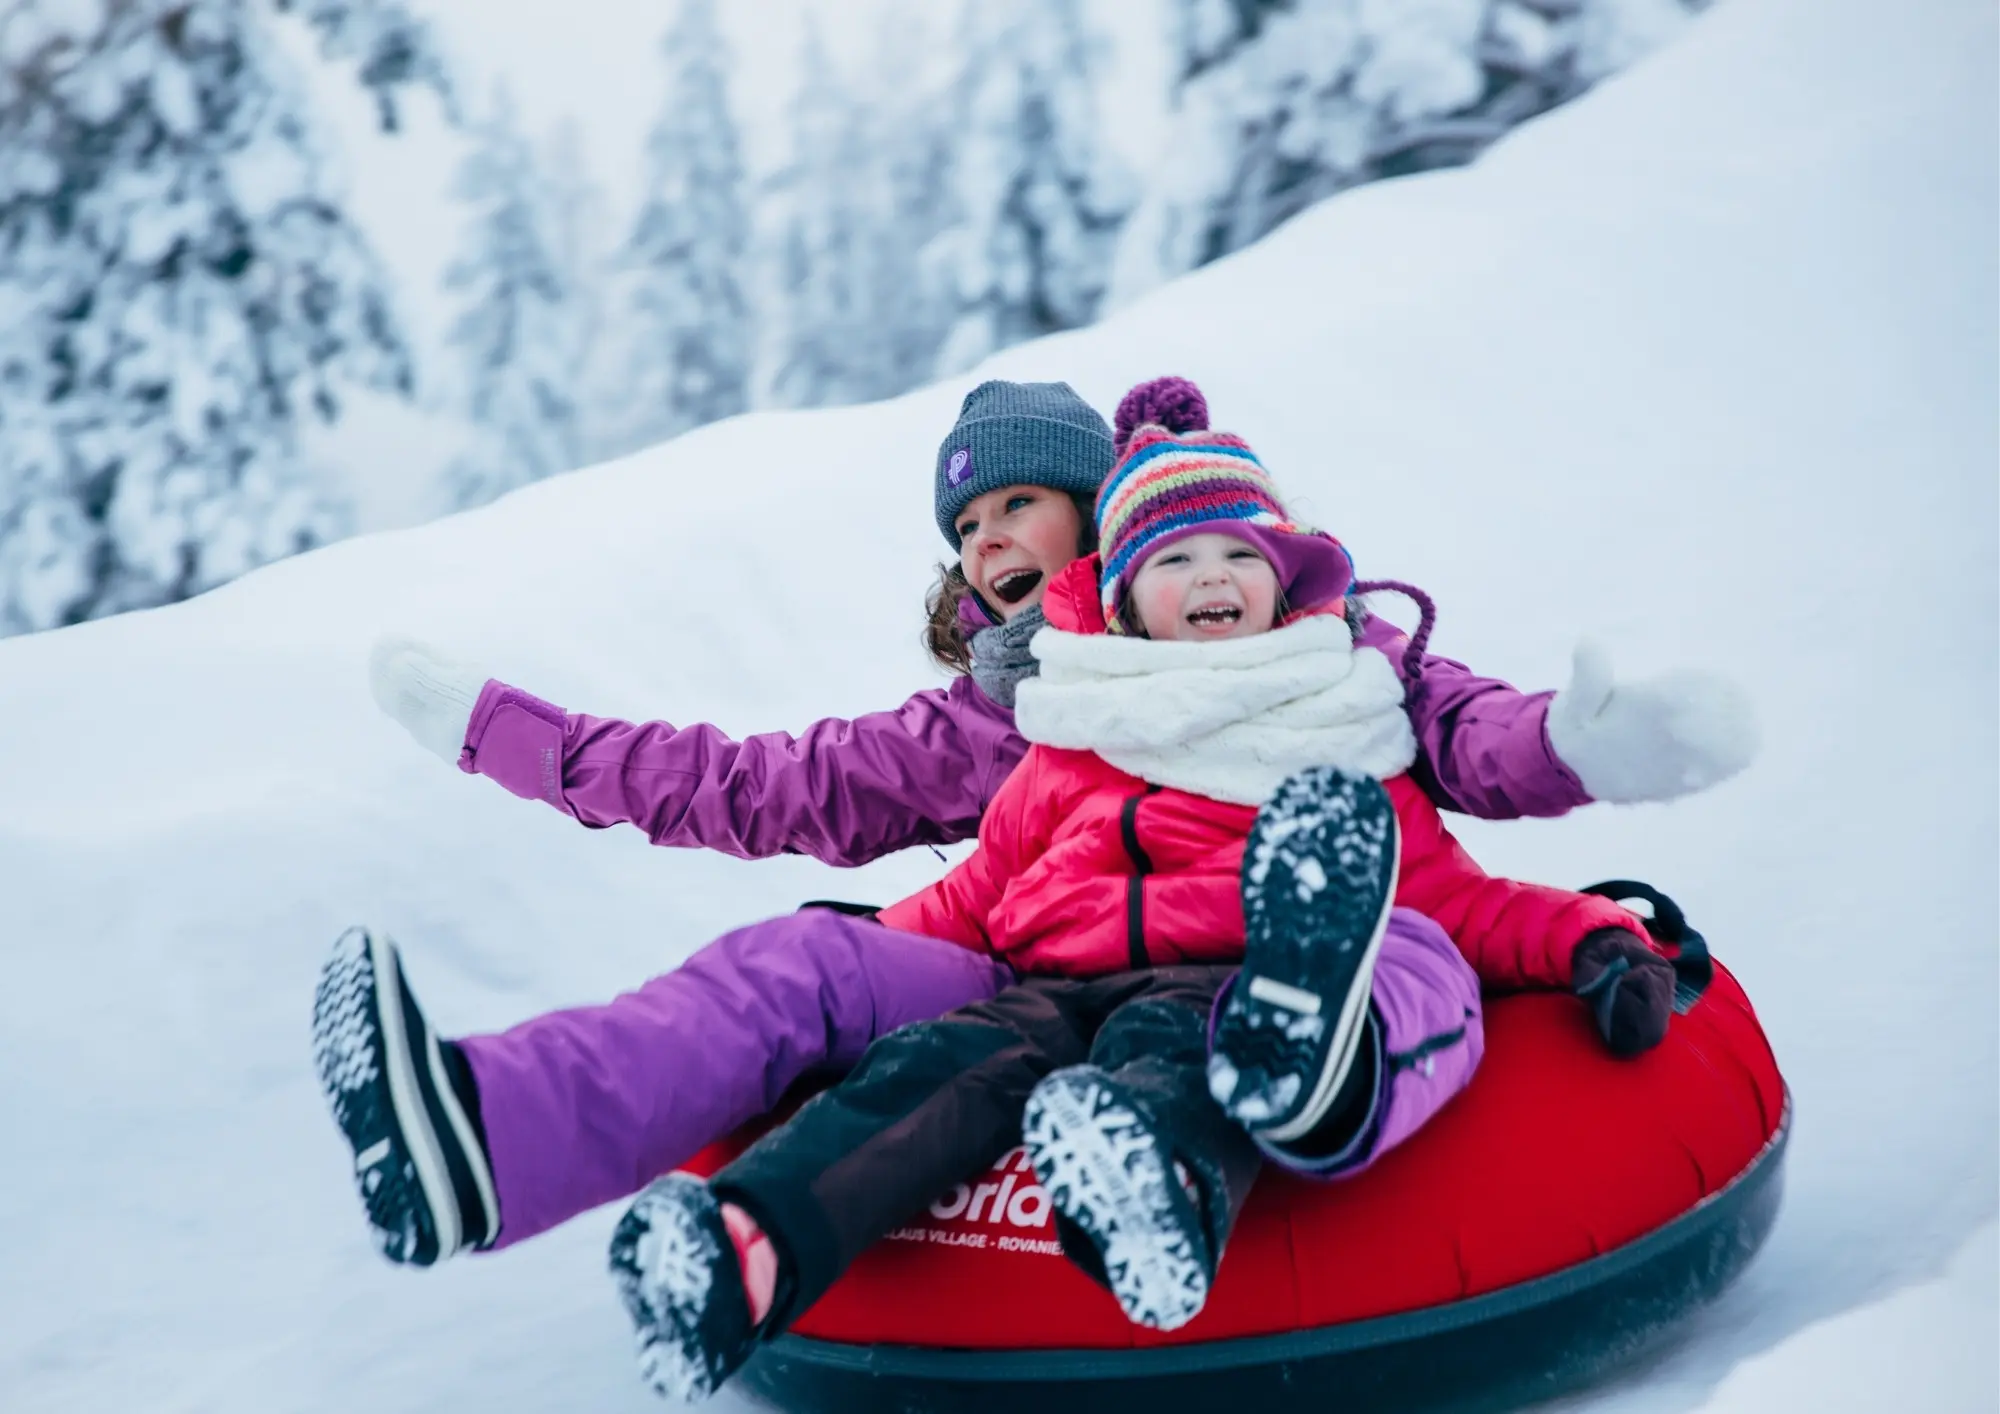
(824, 343)
(1281, 103)
(860, 303)
(579, 246)
(180, 297)
(1039, 198)
(177, 297)
(683, 347)
(518, 329)
(389, 47)
(1597, 38)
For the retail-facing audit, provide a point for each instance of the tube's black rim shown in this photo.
(920, 1362)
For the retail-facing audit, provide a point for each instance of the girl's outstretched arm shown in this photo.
(842, 791)
(1487, 749)
(1482, 744)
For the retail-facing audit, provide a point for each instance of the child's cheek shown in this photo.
(1157, 599)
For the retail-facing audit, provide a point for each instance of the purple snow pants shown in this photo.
(592, 1104)
(589, 1105)
(1428, 1037)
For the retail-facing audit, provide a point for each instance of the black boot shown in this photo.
(1319, 880)
(682, 1285)
(406, 1104)
(1112, 1176)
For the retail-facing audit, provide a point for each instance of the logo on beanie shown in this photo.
(958, 470)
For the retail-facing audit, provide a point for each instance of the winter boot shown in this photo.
(1319, 879)
(406, 1104)
(1112, 1175)
(679, 1277)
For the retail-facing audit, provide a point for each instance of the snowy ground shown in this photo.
(1929, 1346)
(1705, 364)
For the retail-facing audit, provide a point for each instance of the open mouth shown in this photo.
(1215, 616)
(1016, 585)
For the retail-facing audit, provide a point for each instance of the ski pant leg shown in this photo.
(1156, 1045)
(590, 1104)
(1425, 1037)
(926, 1107)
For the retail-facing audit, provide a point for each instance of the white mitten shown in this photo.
(430, 694)
(1664, 737)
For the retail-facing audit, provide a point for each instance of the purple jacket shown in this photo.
(847, 792)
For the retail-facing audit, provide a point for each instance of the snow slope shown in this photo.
(1862, 1360)
(1705, 364)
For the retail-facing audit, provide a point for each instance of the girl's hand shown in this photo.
(1655, 739)
(1630, 989)
(430, 694)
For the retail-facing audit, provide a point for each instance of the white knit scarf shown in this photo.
(1229, 719)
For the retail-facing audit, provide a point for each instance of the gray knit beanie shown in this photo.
(1013, 434)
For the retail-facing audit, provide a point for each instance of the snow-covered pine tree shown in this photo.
(860, 289)
(1039, 199)
(578, 249)
(828, 342)
(177, 297)
(907, 132)
(389, 47)
(1283, 102)
(683, 347)
(518, 328)
(1597, 38)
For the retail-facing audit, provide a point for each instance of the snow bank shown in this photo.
(1704, 364)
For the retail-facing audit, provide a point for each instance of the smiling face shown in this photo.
(1013, 541)
(1205, 587)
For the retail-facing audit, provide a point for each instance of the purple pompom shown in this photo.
(1174, 403)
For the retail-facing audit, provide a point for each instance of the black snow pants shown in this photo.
(940, 1101)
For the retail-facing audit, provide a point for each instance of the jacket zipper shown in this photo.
(1421, 1053)
(1135, 887)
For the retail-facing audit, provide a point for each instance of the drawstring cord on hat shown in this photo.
(1413, 654)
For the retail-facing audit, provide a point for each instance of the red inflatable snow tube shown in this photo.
(1565, 1206)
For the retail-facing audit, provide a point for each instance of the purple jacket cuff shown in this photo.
(516, 739)
(1579, 795)
(1483, 745)
(1544, 781)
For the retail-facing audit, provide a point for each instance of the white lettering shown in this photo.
(979, 1197)
(1041, 1246)
(953, 1203)
(941, 1238)
(998, 1212)
(1030, 1207)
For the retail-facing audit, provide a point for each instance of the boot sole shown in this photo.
(1319, 882)
(383, 1077)
(1105, 1172)
(664, 1259)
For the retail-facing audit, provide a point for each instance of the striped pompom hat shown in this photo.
(1173, 478)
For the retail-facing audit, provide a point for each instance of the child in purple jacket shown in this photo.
(479, 1142)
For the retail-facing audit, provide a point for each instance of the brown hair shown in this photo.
(944, 637)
